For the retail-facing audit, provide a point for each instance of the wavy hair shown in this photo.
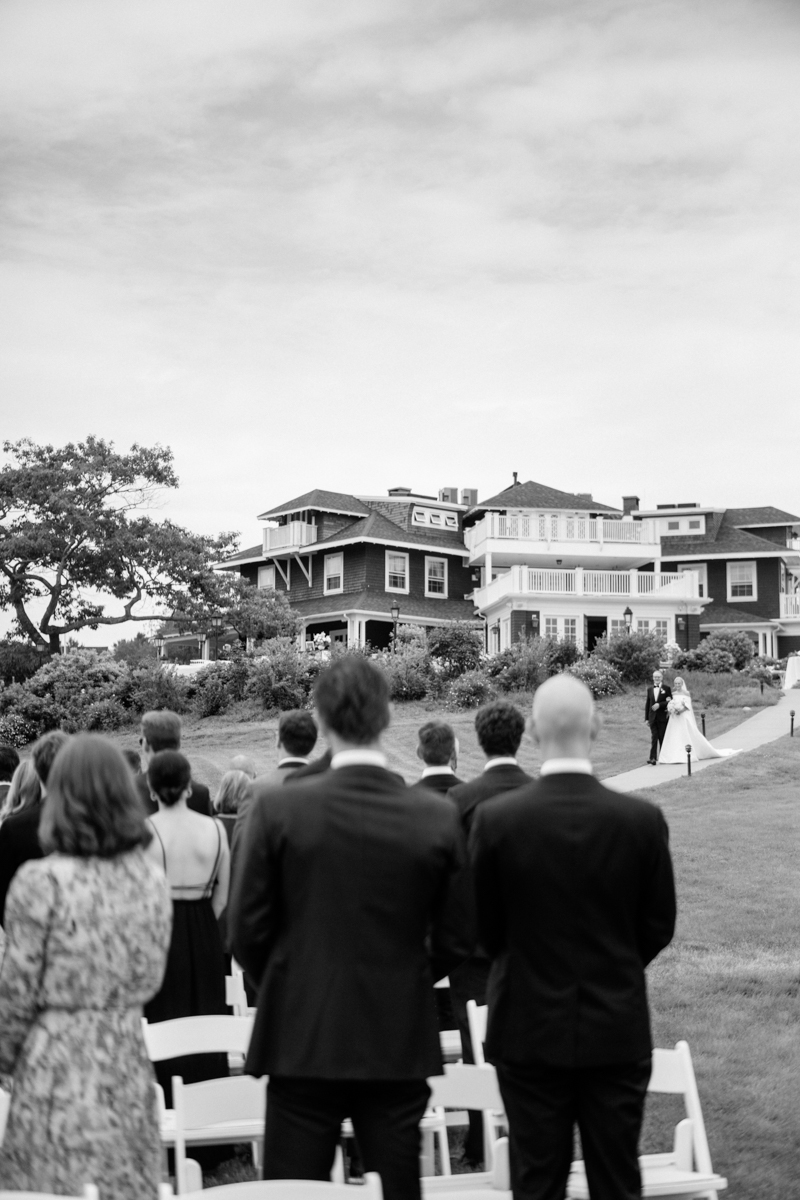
(24, 791)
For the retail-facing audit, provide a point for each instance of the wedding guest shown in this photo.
(437, 748)
(133, 759)
(243, 762)
(161, 730)
(575, 896)
(499, 726)
(347, 881)
(295, 739)
(9, 761)
(87, 933)
(232, 790)
(19, 835)
(192, 851)
(23, 791)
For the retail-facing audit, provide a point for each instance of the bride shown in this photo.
(682, 730)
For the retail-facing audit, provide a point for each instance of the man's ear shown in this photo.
(419, 752)
(530, 729)
(595, 726)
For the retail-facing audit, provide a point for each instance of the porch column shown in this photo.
(488, 569)
(634, 575)
(579, 581)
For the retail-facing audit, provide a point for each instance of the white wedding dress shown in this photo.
(681, 731)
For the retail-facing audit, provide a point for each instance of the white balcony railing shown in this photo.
(790, 605)
(554, 527)
(533, 581)
(286, 537)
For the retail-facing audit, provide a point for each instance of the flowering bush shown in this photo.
(282, 676)
(602, 678)
(635, 655)
(470, 690)
(523, 666)
(212, 690)
(455, 648)
(16, 730)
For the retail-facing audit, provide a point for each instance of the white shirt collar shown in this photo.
(291, 759)
(566, 766)
(503, 761)
(436, 771)
(358, 758)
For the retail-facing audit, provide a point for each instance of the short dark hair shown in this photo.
(169, 775)
(297, 731)
(91, 808)
(9, 761)
(499, 726)
(161, 730)
(352, 697)
(132, 759)
(437, 741)
(45, 750)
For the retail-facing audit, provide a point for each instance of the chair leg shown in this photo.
(193, 1175)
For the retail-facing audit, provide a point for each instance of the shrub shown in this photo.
(212, 694)
(455, 648)
(39, 713)
(408, 671)
(561, 654)
(635, 655)
(18, 661)
(16, 730)
(151, 686)
(713, 659)
(101, 715)
(470, 690)
(76, 680)
(741, 647)
(523, 666)
(601, 677)
(282, 676)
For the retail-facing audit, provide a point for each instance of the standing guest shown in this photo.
(499, 726)
(243, 762)
(133, 759)
(575, 897)
(24, 790)
(192, 850)
(9, 761)
(233, 789)
(656, 714)
(437, 748)
(295, 739)
(341, 880)
(87, 929)
(19, 835)
(159, 731)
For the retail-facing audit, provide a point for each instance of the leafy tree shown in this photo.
(258, 613)
(78, 550)
(136, 650)
(18, 660)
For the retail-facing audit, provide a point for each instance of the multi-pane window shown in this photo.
(266, 577)
(661, 628)
(673, 524)
(551, 627)
(396, 572)
(616, 625)
(570, 629)
(742, 581)
(435, 576)
(643, 626)
(334, 571)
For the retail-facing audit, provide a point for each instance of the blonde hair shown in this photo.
(232, 788)
(25, 790)
(679, 681)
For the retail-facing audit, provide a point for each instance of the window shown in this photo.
(694, 524)
(436, 577)
(615, 626)
(436, 518)
(396, 572)
(742, 581)
(266, 577)
(643, 626)
(334, 573)
(661, 628)
(570, 629)
(673, 524)
(551, 627)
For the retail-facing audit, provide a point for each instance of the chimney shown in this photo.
(514, 473)
(448, 495)
(469, 496)
(629, 505)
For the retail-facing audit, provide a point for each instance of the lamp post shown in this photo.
(395, 611)
(216, 624)
(158, 642)
(628, 615)
(689, 759)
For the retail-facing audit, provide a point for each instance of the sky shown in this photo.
(367, 244)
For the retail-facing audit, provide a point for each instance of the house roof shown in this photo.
(724, 615)
(324, 501)
(722, 537)
(380, 602)
(538, 495)
(376, 527)
(249, 555)
(765, 516)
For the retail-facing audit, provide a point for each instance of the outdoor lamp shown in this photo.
(628, 615)
(395, 614)
(158, 642)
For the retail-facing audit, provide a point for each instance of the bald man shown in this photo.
(575, 896)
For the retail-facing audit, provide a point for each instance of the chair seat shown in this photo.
(658, 1179)
(221, 1131)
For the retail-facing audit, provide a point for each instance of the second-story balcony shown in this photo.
(625, 586)
(539, 538)
(288, 537)
(790, 605)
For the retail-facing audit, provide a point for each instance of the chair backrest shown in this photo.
(294, 1189)
(673, 1074)
(196, 1035)
(465, 1086)
(477, 1016)
(233, 1098)
(89, 1192)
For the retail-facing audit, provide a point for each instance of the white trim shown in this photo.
(669, 555)
(333, 591)
(458, 551)
(373, 615)
(266, 586)
(429, 558)
(702, 573)
(736, 600)
(403, 591)
(286, 575)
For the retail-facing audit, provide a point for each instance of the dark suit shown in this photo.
(469, 979)
(199, 800)
(575, 896)
(275, 778)
(341, 880)
(440, 782)
(657, 717)
(19, 841)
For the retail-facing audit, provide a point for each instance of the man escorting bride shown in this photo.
(682, 730)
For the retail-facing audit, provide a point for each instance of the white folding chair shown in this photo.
(215, 1111)
(293, 1189)
(685, 1170)
(474, 1185)
(477, 1017)
(89, 1192)
(464, 1086)
(5, 1101)
(235, 993)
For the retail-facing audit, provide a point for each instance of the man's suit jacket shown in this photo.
(575, 896)
(200, 800)
(657, 716)
(440, 783)
(467, 796)
(347, 904)
(19, 841)
(275, 778)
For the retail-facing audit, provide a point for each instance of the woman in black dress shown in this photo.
(192, 850)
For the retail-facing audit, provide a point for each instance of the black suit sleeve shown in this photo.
(453, 928)
(656, 922)
(8, 867)
(647, 707)
(488, 886)
(254, 902)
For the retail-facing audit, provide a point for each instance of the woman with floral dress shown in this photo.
(88, 930)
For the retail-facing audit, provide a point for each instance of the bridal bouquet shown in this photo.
(677, 706)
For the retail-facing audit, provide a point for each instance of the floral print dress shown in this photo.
(86, 947)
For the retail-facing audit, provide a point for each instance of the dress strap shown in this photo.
(161, 844)
(213, 879)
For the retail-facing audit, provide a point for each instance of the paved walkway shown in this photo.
(766, 725)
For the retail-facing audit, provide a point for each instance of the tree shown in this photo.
(78, 550)
(136, 650)
(258, 613)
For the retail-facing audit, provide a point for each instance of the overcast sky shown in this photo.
(364, 244)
